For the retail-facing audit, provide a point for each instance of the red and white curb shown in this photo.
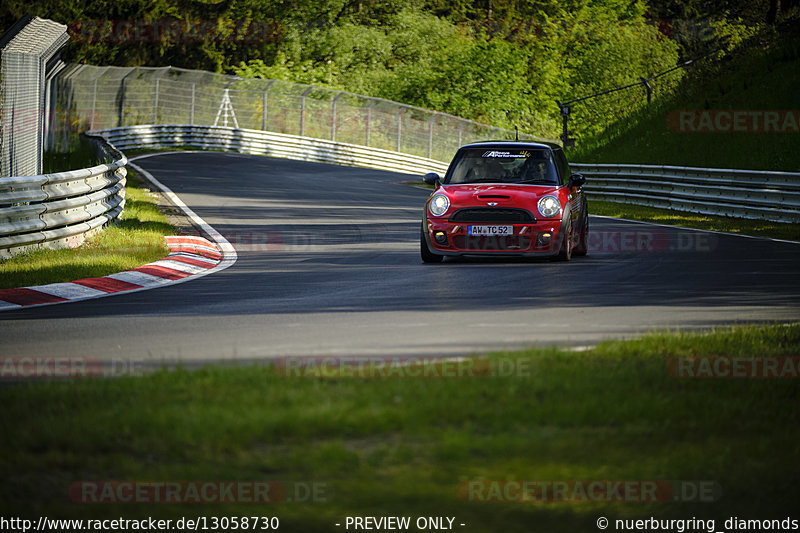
(189, 257)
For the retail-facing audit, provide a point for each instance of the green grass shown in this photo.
(760, 77)
(758, 228)
(402, 446)
(137, 239)
(81, 155)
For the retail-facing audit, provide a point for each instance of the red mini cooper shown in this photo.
(505, 198)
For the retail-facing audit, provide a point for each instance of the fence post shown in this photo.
(94, 100)
(400, 127)
(121, 119)
(333, 116)
(369, 119)
(191, 110)
(155, 104)
(648, 88)
(303, 111)
(565, 138)
(430, 134)
(264, 119)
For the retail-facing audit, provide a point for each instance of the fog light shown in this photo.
(544, 239)
(440, 237)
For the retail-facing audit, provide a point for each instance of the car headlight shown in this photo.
(439, 205)
(549, 206)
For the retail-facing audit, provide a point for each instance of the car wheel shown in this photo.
(425, 253)
(582, 247)
(565, 252)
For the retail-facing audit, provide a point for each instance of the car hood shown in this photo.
(480, 193)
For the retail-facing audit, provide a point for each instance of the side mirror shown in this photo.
(431, 178)
(577, 180)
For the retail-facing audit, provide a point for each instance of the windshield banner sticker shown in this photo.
(515, 155)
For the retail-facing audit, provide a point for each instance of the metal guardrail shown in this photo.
(763, 195)
(750, 194)
(268, 143)
(59, 210)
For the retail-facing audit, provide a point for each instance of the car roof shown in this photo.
(515, 144)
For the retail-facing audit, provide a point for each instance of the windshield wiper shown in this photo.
(546, 182)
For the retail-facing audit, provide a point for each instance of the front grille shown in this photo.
(492, 244)
(492, 215)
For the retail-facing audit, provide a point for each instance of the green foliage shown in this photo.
(504, 73)
(499, 61)
(762, 76)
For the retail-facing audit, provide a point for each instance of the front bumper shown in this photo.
(540, 238)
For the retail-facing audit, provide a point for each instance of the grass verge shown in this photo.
(137, 239)
(401, 447)
(758, 228)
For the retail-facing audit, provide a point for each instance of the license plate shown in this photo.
(490, 231)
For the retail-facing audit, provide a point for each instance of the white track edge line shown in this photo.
(229, 254)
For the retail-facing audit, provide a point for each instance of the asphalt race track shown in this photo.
(329, 265)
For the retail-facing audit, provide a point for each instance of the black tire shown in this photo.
(425, 253)
(565, 250)
(582, 246)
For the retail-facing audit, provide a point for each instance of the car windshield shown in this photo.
(503, 165)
